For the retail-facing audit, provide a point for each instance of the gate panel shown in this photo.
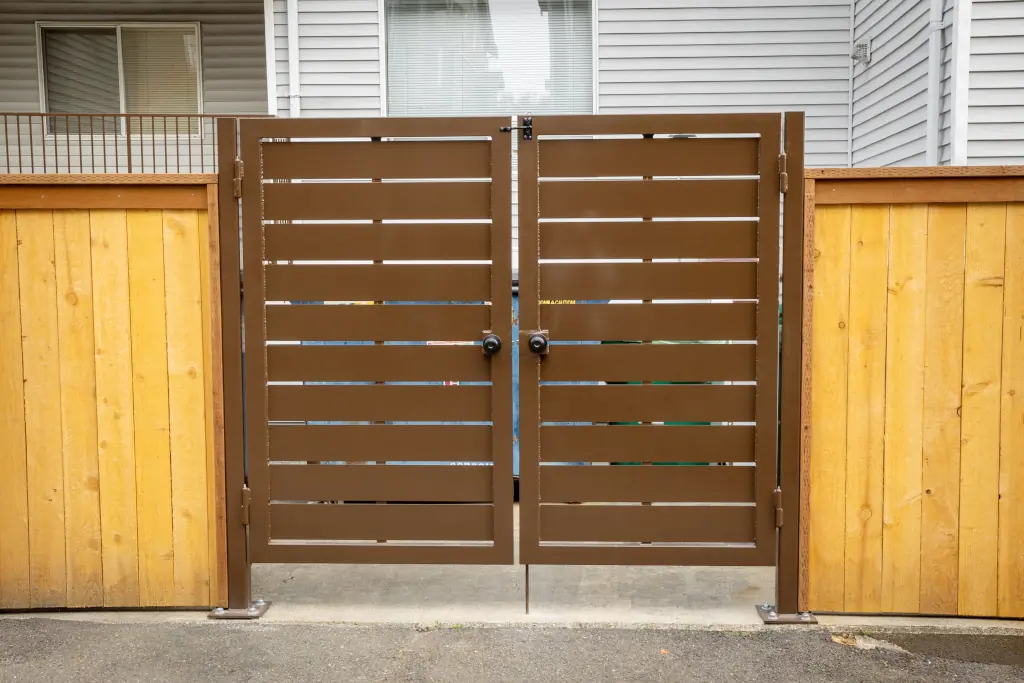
(367, 441)
(672, 458)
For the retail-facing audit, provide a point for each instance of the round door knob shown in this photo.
(492, 344)
(538, 343)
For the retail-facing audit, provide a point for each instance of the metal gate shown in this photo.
(343, 445)
(348, 408)
(675, 219)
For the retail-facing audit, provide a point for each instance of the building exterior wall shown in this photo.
(231, 35)
(995, 100)
(890, 93)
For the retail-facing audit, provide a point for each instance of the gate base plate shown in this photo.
(770, 617)
(255, 610)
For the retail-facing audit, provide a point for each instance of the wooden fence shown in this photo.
(914, 465)
(111, 478)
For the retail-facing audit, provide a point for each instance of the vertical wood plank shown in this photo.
(73, 252)
(38, 283)
(943, 358)
(209, 249)
(115, 427)
(979, 434)
(150, 404)
(1011, 446)
(828, 408)
(865, 439)
(904, 405)
(15, 582)
(806, 394)
(187, 392)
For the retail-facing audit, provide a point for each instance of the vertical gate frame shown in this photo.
(240, 603)
(787, 574)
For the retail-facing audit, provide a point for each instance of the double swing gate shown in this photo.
(369, 418)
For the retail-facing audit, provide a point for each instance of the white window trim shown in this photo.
(383, 52)
(117, 26)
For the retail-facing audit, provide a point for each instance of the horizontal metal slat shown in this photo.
(383, 241)
(648, 157)
(377, 363)
(715, 280)
(381, 159)
(405, 483)
(379, 403)
(654, 362)
(637, 483)
(645, 198)
(409, 322)
(657, 239)
(377, 201)
(382, 522)
(654, 124)
(374, 127)
(647, 443)
(647, 403)
(377, 282)
(673, 322)
(424, 443)
(655, 524)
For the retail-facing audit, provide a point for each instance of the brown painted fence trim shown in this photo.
(914, 172)
(108, 178)
(48, 197)
(944, 190)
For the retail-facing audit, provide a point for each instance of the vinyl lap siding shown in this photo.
(339, 57)
(995, 117)
(890, 109)
(233, 53)
(695, 56)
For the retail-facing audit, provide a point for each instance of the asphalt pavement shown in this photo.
(49, 650)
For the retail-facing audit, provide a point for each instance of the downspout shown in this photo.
(934, 82)
(849, 103)
(268, 39)
(294, 103)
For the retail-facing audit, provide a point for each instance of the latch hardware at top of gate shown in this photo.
(527, 128)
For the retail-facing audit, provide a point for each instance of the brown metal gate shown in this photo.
(341, 212)
(675, 220)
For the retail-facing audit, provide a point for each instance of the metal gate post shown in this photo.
(239, 575)
(787, 578)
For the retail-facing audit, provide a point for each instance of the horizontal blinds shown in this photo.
(161, 75)
(480, 57)
(81, 77)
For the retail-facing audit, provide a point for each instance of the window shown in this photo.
(105, 69)
(489, 57)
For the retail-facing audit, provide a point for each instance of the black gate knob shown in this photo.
(492, 344)
(539, 343)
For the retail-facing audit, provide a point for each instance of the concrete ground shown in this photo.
(52, 650)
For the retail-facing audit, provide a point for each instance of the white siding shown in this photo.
(701, 56)
(995, 118)
(339, 57)
(946, 87)
(890, 95)
(233, 52)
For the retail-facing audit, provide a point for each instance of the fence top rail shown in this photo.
(107, 178)
(914, 172)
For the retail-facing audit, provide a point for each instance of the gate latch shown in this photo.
(527, 128)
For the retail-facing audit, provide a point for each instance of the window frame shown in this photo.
(42, 26)
(382, 49)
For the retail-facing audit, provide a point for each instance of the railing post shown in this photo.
(128, 137)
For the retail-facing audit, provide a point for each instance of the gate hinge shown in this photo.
(778, 508)
(246, 500)
(783, 175)
(239, 171)
(527, 128)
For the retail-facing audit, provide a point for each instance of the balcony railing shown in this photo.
(107, 143)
